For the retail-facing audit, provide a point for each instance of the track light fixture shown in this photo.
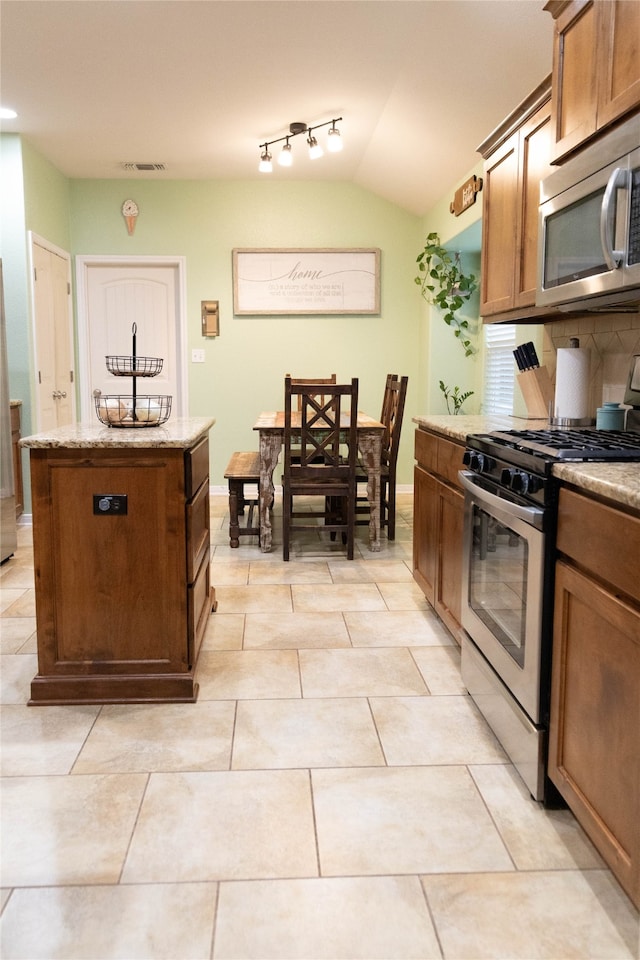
(265, 161)
(315, 150)
(334, 141)
(285, 158)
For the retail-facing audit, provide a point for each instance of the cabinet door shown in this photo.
(618, 59)
(595, 718)
(110, 588)
(499, 215)
(535, 155)
(425, 531)
(574, 76)
(449, 577)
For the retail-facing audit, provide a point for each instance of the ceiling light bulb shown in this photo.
(265, 165)
(6, 113)
(286, 157)
(334, 142)
(315, 150)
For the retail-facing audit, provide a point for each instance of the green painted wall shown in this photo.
(245, 366)
(13, 249)
(46, 199)
(34, 196)
(444, 357)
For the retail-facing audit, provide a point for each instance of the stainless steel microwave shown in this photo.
(589, 226)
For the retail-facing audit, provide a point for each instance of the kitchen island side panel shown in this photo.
(110, 585)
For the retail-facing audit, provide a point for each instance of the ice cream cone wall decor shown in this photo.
(130, 213)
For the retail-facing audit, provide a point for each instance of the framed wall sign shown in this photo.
(306, 281)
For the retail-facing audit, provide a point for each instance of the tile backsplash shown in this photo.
(612, 339)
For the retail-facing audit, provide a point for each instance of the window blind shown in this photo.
(499, 374)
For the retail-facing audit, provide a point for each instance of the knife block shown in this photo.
(538, 392)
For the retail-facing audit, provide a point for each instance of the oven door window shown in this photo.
(498, 581)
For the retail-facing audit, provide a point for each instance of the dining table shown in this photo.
(270, 428)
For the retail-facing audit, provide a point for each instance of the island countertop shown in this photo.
(618, 482)
(180, 432)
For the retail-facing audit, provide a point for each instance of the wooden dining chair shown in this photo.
(320, 460)
(391, 416)
(320, 382)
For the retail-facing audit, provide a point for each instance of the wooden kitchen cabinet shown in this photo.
(17, 458)
(517, 156)
(123, 594)
(438, 524)
(596, 68)
(594, 755)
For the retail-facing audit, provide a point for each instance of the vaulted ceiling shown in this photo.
(197, 85)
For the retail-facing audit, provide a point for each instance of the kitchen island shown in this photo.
(122, 561)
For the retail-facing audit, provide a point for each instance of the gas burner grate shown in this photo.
(574, 444)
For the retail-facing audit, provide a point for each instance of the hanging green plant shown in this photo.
(443, 284)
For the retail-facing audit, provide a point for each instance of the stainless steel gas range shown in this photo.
(511, 499)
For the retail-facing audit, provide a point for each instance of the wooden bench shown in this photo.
(242, 468)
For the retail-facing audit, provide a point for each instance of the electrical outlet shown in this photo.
(197, 356)
(109, 504)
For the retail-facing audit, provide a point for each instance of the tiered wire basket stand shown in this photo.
(133, 410)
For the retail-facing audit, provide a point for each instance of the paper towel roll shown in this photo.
(572, 384)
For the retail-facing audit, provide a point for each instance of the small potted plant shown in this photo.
(453, 398)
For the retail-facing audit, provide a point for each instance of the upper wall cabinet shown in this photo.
(517, 156)
(596, 68)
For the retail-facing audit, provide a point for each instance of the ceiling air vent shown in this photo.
(144, 167)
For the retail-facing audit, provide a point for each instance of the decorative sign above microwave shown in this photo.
(465, 196)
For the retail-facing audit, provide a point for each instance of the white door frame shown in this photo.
(34, 238)
(83, 263)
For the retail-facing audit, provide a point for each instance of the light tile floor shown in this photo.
(332, 794)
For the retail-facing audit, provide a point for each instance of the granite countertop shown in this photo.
(179, 432)
(458, 428)
(618, 482)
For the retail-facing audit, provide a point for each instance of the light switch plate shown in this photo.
(197, 356)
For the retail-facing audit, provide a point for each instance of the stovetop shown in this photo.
(521, 461)
(568, 445)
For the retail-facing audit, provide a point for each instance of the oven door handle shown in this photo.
(507, 508)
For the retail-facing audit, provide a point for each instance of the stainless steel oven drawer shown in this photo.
(524, 742)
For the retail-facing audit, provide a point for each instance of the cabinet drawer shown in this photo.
(198, 530)
(198, 609)
(600, 539)
(439, 456)
(449, 460)
(426, 450)
(196, 467)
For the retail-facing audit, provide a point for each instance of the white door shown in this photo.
(55, 388)
(115, 297)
